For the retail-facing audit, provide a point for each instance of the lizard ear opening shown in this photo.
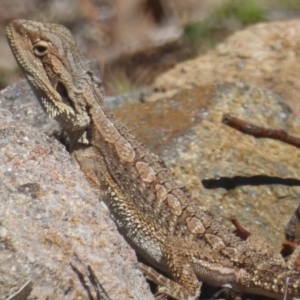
(61, 89)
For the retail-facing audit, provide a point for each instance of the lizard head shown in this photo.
(56, 71)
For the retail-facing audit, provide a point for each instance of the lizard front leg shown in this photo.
(186, 287)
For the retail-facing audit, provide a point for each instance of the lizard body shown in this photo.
(155, 213)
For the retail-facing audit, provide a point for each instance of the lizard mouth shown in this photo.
(58, 106)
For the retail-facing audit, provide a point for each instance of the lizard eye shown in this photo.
(41, 48)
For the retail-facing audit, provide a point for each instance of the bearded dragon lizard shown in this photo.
(155, 213)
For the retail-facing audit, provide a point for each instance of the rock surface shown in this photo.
(56, 238)
(232, 173)
(257, 180)
(265, 55)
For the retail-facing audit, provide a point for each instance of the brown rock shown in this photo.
(257, 180)
(265, 55)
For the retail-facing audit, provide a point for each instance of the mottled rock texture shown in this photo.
(55, 234)
(265, 55)
(257, 180)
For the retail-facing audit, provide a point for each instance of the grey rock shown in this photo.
(56, 238)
